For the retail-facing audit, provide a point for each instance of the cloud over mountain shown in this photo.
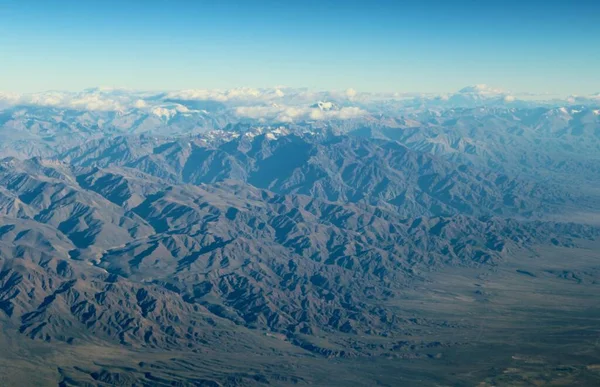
(260, 100)
(290, 114)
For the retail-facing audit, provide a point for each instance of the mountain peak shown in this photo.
(325, 106)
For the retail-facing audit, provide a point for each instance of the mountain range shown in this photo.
(250, 237)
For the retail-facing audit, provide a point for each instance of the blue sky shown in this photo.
(404, 46)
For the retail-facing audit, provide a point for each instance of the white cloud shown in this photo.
(257, 111)
(8, 99)
(97, 99)
(84, 100)
(45, 99)
(348, 113)
(140, 104)
(291, 114)
(351, 93)
(239, 94)
(9, 96)
(197, 94)
(95, 102)
(316, 114)
(281, 103)
(592, 98)
(481, 89)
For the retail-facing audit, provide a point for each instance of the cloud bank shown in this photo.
(281, 103)
(291, 114)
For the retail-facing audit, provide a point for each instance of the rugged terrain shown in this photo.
(197, 242)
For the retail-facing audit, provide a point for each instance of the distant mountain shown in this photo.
(335, 168)
(554, 144)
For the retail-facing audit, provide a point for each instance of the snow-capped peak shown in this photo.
(325, 106)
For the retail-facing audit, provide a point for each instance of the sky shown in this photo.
(379, 45)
